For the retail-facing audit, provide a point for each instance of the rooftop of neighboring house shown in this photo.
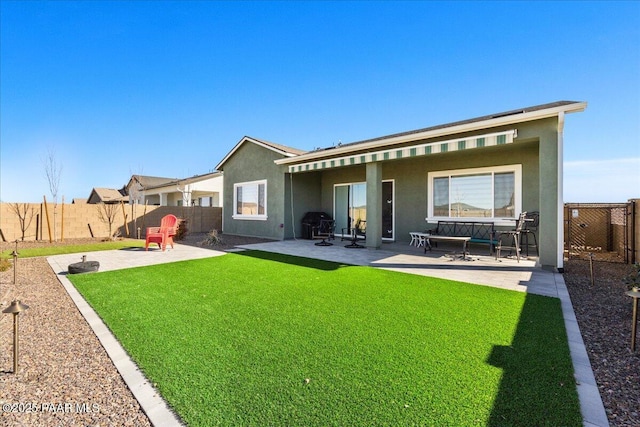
(106, 195)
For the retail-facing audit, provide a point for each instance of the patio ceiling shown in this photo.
(425, 149)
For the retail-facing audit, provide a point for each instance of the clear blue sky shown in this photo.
(168, 88)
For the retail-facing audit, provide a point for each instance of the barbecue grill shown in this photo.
(311, 220)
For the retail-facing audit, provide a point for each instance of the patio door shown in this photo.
(387, 210)
(350, 207)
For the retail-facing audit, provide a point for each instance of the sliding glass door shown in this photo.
(350, 207)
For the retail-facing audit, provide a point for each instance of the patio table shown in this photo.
(437, 238)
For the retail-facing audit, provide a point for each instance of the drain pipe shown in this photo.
(293, 219)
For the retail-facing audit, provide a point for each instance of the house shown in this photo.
(107, 195)
(199, 190)
(489, 168)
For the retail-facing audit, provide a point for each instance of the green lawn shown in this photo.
(71, 249)
(263, 339)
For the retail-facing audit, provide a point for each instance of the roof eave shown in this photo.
(257, 142)
(450, 130)
(185, 181)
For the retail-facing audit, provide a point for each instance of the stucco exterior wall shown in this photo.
(307, 197)
(536, 149)
(252, 162)
(410, 178)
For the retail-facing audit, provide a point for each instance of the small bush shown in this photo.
(182, 230)
(5, 264)
(632, 280)
(213, 239)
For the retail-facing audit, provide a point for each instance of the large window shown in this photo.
(483, 193)
(250, 200)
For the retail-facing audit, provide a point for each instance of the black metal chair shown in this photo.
(530, 228)
(325, 231)
(513, 236)
(358, 232)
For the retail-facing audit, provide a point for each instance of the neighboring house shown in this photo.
(107, 195)
(488, 168)
(199, 190)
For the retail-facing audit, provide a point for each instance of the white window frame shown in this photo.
(393, 213)
(255, 217)
(517, 171)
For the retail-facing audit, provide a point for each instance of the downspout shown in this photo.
(560, 203)
(293, 221)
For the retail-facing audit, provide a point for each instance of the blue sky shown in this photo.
(168, 88)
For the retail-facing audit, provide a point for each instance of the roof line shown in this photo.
(189, 180)
(280, 149)
(499, 119)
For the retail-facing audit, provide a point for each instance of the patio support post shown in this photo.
(374, 205)
(560, 208)
(550, 190)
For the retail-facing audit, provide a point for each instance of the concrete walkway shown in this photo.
(523, 276)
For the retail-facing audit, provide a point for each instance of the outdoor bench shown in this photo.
(478, 231)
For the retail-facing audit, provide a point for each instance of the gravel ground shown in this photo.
(65, 377)
(604, 315)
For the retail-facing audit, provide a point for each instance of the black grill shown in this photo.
(310, 220)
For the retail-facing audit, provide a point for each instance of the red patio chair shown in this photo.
(162, 235)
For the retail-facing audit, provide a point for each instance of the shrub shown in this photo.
(632, 280)
(182, 230)
(5, 264)
(213, 239)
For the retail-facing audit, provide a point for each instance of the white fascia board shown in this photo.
(201, 178)
(255, 141)
(467, 127)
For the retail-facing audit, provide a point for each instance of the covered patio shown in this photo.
(479, 267)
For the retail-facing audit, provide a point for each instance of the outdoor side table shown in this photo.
(634, 321)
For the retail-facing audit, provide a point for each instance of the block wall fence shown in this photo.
(73, 221)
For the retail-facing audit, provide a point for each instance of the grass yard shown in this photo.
(264, 339)
(48, 250)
